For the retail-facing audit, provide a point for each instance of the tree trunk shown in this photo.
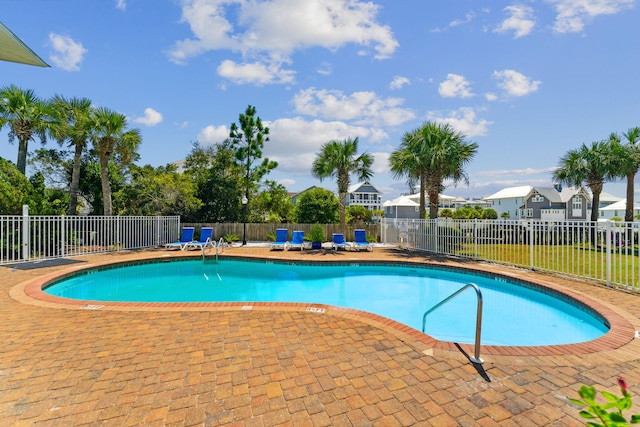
(433, 203)
(628, 212)
(343, 214)
(106, 186)
(423, 190)
(75, 181)
(22, 156)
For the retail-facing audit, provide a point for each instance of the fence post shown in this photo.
(531, 245)
(26, 226)
(607, 237)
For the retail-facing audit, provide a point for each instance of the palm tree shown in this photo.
(339, 159)
(434, 153)
(629, 157)
(72, 125)
(591, 166)
(27, 117)
(110, 138)
(408, 163)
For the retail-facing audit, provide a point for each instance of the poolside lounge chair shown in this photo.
(361, 240)
(281, 240)
(297, 240)
(186, 237)
(339, 243)
(205, 240)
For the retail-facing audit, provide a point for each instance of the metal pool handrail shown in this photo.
(476, 357)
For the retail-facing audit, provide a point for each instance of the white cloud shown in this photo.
(515, 83)
(151, 117)
(573, 15)
(468, 17)
(380, 163)
(455, 86)
(463, 120)
(520, 21)
(325, 69)
(271, 31)
(490, 96)
(256, 73)
(294, 142)
(516, 172)
(213, 134)
(359, 107)
(121, 4)
(68, 54)
(398, 82)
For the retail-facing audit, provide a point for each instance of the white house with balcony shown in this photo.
(364, 194)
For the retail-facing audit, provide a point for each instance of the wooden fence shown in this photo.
(259, 232)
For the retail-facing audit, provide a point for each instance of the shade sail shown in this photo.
(13, 49)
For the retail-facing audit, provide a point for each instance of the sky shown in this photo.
(525, 80)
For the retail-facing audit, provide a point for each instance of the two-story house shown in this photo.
(364, 194)
(557, 204)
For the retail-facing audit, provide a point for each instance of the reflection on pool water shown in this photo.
(514, 314)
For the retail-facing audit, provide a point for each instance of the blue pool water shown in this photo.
(514, 314)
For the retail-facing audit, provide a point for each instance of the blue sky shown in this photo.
(527, 80)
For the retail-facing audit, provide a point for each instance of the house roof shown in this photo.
(362, 187)
(511, 193)
(556, 196)
(401, 201)
(14, 50)
(620, 206)
(608, 198)
(441, 197)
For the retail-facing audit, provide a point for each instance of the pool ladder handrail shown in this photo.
(221, 244)
(476, 357)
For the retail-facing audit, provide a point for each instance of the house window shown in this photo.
(577, 203)
(537, 199)
(529, 213)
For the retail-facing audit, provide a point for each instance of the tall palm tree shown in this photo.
(110, 138)
(434, 153)
(72, 126)
(591, 166)
(27, 117)
(629, 157)
(339, 159)
(408, 163)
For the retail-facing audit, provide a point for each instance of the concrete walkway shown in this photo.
(73, 364)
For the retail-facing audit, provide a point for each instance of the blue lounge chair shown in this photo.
(339, 243)
(281, 240)
(186, 237)
(297, 240)
(205, 240)
(361, 240)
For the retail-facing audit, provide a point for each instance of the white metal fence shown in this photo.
(606, 252)
(27, 238)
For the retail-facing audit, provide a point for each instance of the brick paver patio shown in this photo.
(73, 365)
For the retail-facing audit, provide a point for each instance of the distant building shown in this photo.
(509, 200)
(364, 194)
(401, 207)
(617, 210)
(556, 204)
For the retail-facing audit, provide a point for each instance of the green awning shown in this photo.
(13, 49)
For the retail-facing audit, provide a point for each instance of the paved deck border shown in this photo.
(622, 329)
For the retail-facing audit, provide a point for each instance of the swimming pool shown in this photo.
(515, 314)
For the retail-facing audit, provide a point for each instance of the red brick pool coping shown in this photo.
(621, 332)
